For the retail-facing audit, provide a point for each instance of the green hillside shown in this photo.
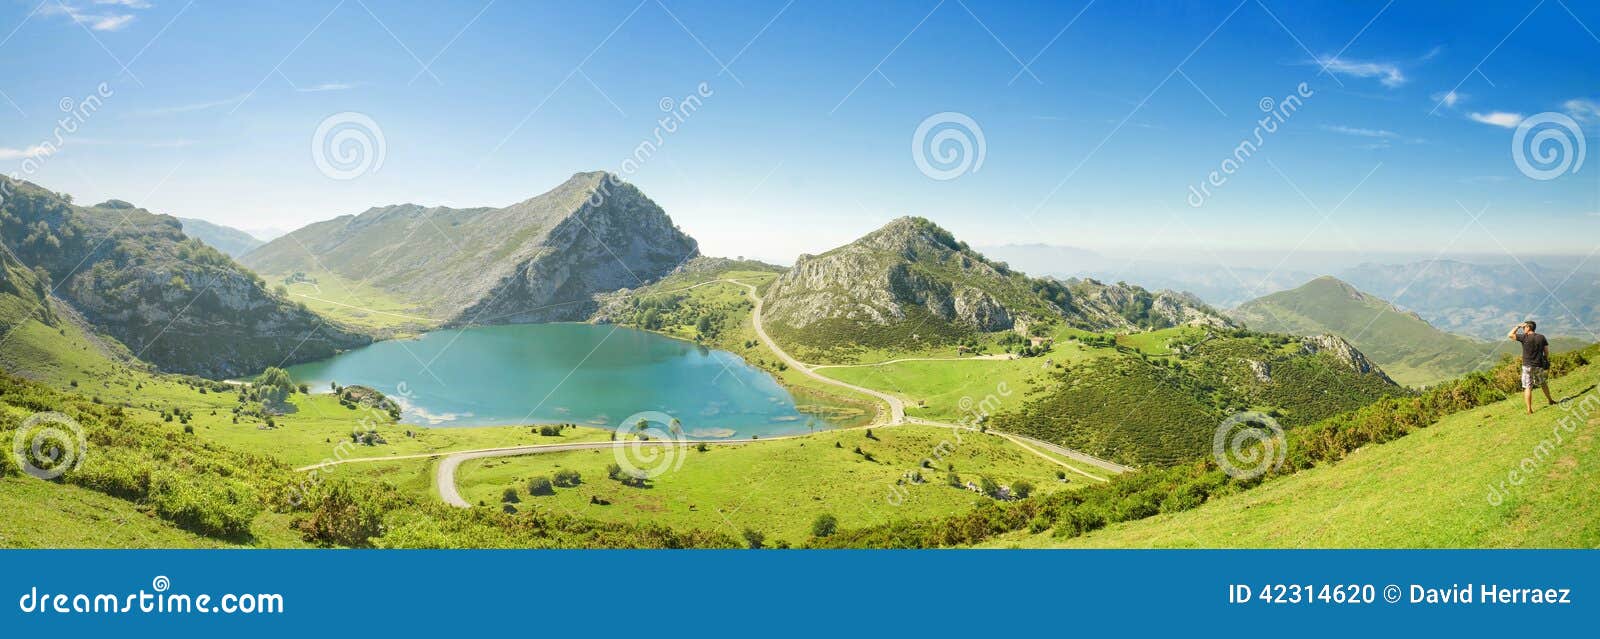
(1395, 433)
(1139, 408)
(170, 299)
(1429, 489)
(1407, 347)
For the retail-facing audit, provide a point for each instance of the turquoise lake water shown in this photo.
(579, 373)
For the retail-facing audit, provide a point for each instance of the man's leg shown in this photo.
(1527, 396)
(1547, 395)
(1528, 382)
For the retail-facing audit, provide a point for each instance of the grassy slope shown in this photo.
(356, 303)
(1412, 351)
(776, 487)
(1427, 489)
(63, 516)
(949, 390)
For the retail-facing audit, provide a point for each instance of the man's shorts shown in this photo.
(1533, 377)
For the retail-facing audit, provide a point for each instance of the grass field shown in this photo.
(778, 487)
(1429, 489)
(356, 303)
(62, 516)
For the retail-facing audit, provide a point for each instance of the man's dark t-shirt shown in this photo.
(1535, 350)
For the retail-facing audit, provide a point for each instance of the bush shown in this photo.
(342, 515)
(540, 486)
(509, 495)
(753, 539)
(1022, 488)
(824, 525)
(567, 478)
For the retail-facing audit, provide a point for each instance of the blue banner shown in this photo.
(708, 593)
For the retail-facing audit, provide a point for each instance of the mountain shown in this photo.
(1484, 300)
(911, 282)
(1403, 343)
(171, 300)
(543, 259)
(227, 239)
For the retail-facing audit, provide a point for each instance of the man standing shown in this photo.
(1535, 361)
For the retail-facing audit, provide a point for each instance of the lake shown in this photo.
(593, 375)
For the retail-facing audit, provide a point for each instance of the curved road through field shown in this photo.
(897, 407)
(445, 474)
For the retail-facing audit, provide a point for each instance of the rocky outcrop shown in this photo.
(1341, 350)
(908, 266)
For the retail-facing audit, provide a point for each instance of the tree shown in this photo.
(274, 385)
(824, 525)
(567, 478)
(540, 485)
(754, 538)
(509, 496)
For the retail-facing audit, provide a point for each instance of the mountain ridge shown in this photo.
(542, 259)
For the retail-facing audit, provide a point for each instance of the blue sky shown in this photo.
(1096, 117)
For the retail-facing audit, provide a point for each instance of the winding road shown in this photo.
(445, 474)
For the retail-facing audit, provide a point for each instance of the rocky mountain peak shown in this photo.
(1343, 351)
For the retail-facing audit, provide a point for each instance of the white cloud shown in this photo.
(1387, 73)
(1582, 109)
(1357, 131)
(327, 86)
(105, 15)
(1498, 118)
(188, 108)
(1449, 98)
(18, 154)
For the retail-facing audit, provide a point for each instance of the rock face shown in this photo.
(173, 301)
(914, 279)
(1342, 351)
(543, 259)
(909, 266)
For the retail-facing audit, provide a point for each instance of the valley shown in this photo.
(899, 390)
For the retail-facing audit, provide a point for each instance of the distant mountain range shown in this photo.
(1484, 300)
(1406, 346)
(173, 301)
(229, 240)
(543, 259)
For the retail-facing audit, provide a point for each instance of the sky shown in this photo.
(1091, 124)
